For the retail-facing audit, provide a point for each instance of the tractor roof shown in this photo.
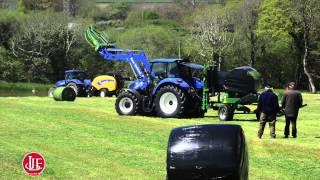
(72, 71)
(165, 60)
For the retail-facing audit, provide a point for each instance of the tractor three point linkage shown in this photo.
(166, 86)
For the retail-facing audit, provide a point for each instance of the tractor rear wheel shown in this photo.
(74, 87)
(170, 101)
(226, 113)
(127, 104)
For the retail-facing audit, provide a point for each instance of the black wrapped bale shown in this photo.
(242, 81)
(64, 94)
(207, 152)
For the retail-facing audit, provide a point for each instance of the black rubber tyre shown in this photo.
(199, 113)
(226, 113)
(74, 87)
(103, 93)
(170, 101)
(127, 104)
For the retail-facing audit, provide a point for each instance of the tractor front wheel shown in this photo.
(226, 113)
(170, 101)
(127, 104)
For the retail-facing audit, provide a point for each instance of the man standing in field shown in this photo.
(291, 103)
(268, 107)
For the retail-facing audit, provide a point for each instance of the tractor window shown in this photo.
(185, 72)
(173, 70)
(81, 76)
(70, 76)
(159, 70)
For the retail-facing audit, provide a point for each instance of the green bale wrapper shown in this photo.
(64, 94)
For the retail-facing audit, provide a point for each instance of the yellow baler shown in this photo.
(105, 85)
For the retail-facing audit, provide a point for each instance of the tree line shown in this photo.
(39, 40)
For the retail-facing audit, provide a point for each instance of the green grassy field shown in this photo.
(87, 139)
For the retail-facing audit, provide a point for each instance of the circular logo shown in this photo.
(33, 163)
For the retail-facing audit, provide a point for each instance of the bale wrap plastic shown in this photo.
(64, 94)
(207, 152)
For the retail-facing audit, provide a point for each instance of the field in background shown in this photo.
(24, 86)
(23, 89)
(87, 139)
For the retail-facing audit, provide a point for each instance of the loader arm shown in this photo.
(136, 58)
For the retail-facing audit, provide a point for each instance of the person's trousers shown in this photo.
(264, 118)
(293, 121)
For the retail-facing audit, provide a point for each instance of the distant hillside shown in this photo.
(134, 1)
(146, 1)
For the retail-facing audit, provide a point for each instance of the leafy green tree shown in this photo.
(9, 25)
(295, 19)
(246, 23)
(141, 17)
(158, 42)
(11, 69)
(214, 33)
(44, 43)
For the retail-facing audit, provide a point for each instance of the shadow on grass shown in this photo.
(246, 120)
(211, 116)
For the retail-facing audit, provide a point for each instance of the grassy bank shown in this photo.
(24, 86)
(87, 139)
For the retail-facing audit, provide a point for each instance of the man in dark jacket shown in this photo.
(268, 107)
(291, 103)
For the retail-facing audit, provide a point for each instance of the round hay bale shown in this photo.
(207, 152)
(50, 92)
(64, 94)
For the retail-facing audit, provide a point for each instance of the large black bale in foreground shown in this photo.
(207, 152)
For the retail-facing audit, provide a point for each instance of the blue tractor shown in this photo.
(77, 80)
(162, 86)
(169, 87)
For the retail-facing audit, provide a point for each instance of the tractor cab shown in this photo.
(177, 69)
(75, 74)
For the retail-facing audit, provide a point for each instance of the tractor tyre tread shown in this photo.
(181, 101)
(229, 112)
(135, 100)
(74, 87)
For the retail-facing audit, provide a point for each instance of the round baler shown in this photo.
(105, 86)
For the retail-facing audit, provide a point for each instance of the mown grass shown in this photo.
(87, 139)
